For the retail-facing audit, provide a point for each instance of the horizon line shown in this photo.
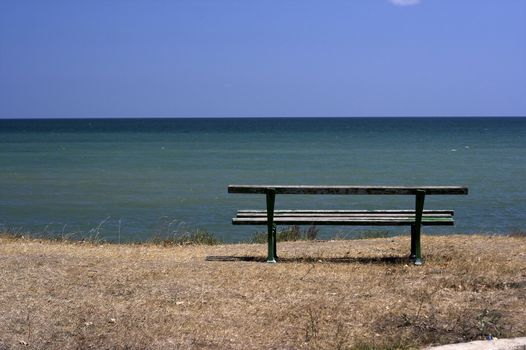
(257, 117)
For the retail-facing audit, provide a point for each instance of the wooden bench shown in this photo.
(414, 218)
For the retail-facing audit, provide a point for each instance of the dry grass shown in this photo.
(334, 295)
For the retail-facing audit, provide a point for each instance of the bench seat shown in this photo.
(345, 217)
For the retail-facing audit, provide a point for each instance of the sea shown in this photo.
(134, 180)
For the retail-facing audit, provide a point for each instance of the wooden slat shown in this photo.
(244, 215)
(363, 221)
(313, 213)
(328, 211)
(353, 217)
(330, 216)
(346, 217)
(360, 190)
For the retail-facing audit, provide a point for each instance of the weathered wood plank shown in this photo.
(346, 190)
(333, 218)
(256, 215)
(346, 217)
(401, 211)
(344, 212)
(365, 221)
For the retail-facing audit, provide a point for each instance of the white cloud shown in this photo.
(404, 2)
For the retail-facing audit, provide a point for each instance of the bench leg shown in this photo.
(271, 228)
(271, 242)
(417, 257)
(416, 228)
(412, 256)
(275, 241)
(416, 253)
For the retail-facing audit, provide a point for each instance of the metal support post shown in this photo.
(271, 230)
(416, 232)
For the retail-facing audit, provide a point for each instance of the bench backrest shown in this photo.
(361, 190)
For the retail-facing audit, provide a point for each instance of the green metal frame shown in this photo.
(416, 229)
(271, 228)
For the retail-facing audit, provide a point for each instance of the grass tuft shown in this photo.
(518, 234)
(289, 234)
(198, 237)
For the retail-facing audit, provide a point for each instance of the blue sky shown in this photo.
(216, 58)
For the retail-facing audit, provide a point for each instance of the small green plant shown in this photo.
(312, 325)
(518, 234)
(362, 234)
(311, 233)
(175, 232)
(94, 235)
(14, 235)
(289, 234)
(487, 323)
(199, 237)
(373, 234)
(259, 237)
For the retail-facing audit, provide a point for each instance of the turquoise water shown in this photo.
(132, 179)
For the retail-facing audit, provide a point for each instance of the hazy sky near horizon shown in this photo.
(226, 58)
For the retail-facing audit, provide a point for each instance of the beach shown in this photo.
(322, 294)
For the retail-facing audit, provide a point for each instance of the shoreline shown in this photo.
(289, 233)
